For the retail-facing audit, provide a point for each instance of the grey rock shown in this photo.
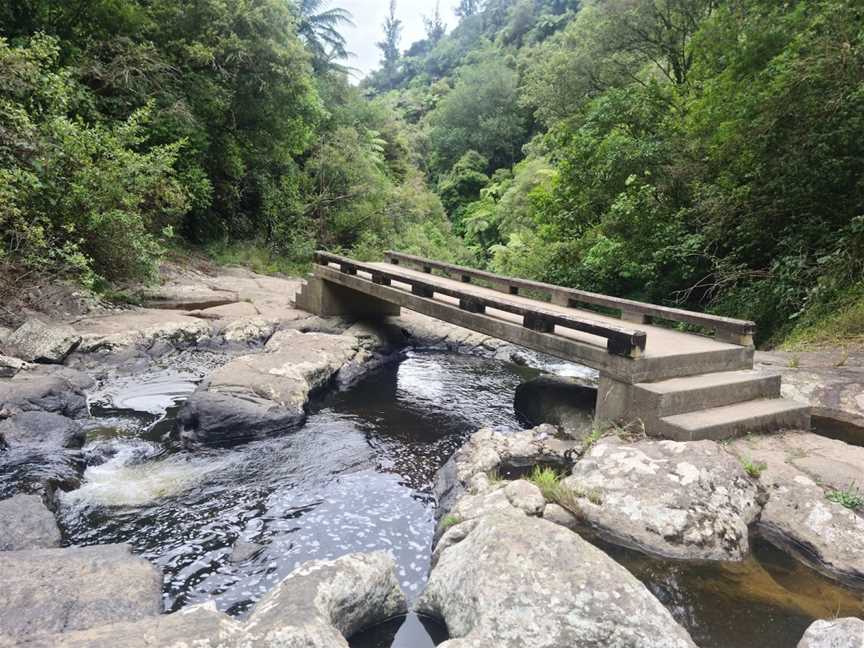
(27, 524)
(686, 500)
(566, 403)
(187, 297)
(4, 334)
(514, 581)
(43, 393)
(42, 429)
(559, 515)
(48, 591)
(10, 366)
(525, 496)
(35, 341)
(834, 633)
(801, 521)
(264, 393)
(316, 606)
(489, 450)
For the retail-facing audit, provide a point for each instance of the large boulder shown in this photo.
(48, 591)
(43, 393)
(834, 633)
(42, 429)
(35, 341)
(142, 329)
(265, 393)
(27, 524)
(512, 581)
(566, 403)
(687, 500)
(800, 470)
(318, 605)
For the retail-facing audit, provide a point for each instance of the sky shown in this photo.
(368, 18)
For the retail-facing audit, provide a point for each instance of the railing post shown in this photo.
(537, 322)
(422, 290)
(634, 318)
(472, 305)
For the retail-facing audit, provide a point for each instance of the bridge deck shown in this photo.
(660, 342)
(629, 352)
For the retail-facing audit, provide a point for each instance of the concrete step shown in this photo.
(718, 423)
(706, 391)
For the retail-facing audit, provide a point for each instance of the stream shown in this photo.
(227, 525)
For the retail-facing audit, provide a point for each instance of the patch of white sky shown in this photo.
(369, 17)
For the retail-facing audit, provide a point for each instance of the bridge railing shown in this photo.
(621, 341)
(725, 329)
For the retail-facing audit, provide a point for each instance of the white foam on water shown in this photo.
(124, 480)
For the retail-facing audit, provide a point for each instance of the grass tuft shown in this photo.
(449, 521)
(850, 497)
(753, 468)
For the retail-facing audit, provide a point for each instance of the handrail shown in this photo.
(726, 329)
(619, 340)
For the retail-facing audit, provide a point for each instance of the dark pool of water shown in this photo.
(766, 601)
(357, 477)
(410, 631)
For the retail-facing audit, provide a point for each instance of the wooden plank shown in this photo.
(728, 327)
(620, 341)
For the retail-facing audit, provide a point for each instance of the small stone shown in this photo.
(561, 516)
(525, 496)
(835, 633)
(243, 550)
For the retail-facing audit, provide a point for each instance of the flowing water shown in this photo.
(358, 477)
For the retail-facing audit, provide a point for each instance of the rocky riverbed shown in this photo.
(219, 455)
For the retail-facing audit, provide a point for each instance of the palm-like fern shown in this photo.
(318, 26)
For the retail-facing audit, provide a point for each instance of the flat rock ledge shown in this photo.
(510, 580)
(48, 591)
(836, 633)
(263, 394)
(27, 524)
(682, 500)
(800, 469)
(316, 606)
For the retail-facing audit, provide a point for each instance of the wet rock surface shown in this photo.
(317, 606)
(679, 500)
(47, 591)
(834, 633)
(798, 517)
(35, 341)
(43, 393)
(264, 393)
(41, 429)
(27, 524)
(510, 580)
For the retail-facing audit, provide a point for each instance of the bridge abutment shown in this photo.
(327, 299)
(614, 400)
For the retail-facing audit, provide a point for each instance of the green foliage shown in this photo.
(479, 114)
(548, 481)
(448, 521)
(753, 468)
(90, 200)
(850, 497)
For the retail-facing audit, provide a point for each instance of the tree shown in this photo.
(480, 113)
(467, 8)
(435, 25)
(318, 27)
(392, 36)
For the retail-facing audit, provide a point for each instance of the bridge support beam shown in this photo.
(327, 299)
(614, 400)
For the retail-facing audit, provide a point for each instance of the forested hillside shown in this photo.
(694, 151)
(127, 126)
(699, 152)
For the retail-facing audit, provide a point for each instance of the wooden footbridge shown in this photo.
(681, 385)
